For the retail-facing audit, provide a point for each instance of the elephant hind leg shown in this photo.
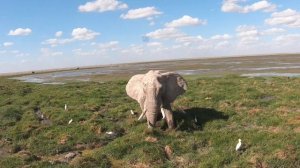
(169, 116)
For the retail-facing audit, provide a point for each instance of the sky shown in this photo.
(39, 35)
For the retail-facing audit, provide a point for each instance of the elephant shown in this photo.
(155, 91)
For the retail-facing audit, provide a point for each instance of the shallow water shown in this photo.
(262, 66)
(269, 68)
(272, 75)
(192, 72)
(46, 78)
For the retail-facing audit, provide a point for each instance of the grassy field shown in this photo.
(263, 112)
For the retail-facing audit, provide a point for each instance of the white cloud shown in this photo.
(84, 34)
(251, 35)
(188, 40)
(201, 43)
(112, 45)
(234, 6)
(288, 39)
(55, 42)
(231, 6)
(152, 23)
(8, 44)
(263, 5)
(245, 30)
(102, 6)
(58, 34)
(248, 34)
(164, 33)
(99, 49)
(78, 34)
(13, 53)
(141, 13)
(272, 31)
(46, 52)
(80, 52)
(134, 49)
(221, 37)
(154, 44)
(20, 32)
(186, 21)
(184, 41)
(222, 44)
(288, 17)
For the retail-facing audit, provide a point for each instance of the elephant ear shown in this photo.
(175, 85)
(134, 87)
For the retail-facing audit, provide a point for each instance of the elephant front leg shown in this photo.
(169, 116)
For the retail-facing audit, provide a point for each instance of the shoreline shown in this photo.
(15, 74)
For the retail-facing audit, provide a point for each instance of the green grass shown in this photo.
(263, 112)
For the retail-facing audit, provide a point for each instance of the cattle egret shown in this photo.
(70, 121)
(110, 133)
(163, 113)
(239, 145)
(132, 112)
(196, 119)
(66, 107)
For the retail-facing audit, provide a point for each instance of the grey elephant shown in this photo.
(155, 91)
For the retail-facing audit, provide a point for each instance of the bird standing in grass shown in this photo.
(239, 145)
(66, 107)
(132, 112)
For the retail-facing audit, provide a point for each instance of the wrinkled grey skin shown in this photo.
(155, 90)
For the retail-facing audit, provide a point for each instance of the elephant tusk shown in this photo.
(142, 115)
(163, 113)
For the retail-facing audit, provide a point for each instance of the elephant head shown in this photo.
(155, 91)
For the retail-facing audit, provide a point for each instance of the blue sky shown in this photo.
(37, 34)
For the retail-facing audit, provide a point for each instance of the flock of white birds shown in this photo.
(237, 147)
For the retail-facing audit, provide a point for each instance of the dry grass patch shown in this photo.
(254, 111)
(294, 121)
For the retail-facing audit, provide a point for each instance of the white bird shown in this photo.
(66, 107)
(110, 133)
(132, 112)
(163, 113)
(196, 119)
(239, 145)
(70, 121)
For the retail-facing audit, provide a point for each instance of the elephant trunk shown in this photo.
(151, 115)
(152, 105)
